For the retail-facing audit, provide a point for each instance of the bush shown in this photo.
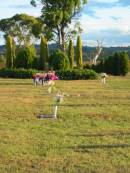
(59, 61)
(87, 66)
(77, 74)
(25, 57)
(100, 67)
(17, 73)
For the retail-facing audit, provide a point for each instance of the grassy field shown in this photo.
(91, 134)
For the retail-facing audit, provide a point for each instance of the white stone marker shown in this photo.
(103, 78)
(59, 99)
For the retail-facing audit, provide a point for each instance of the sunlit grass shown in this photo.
(91, 134)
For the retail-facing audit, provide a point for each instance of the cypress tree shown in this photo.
(71, 53)
(43, 53)
(79, 58)
(10, 52)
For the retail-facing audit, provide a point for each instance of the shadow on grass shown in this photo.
(41, 116)
(102, 134)
(93, 105)
(85, 148)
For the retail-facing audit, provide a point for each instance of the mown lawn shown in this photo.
(91, 134)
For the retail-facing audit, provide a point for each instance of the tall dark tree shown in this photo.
(124, 63)
(116, 64)
(57, 15)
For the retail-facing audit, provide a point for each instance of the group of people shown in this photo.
(44, 78)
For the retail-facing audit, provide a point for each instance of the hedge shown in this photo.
(75, 74)
(17, 73)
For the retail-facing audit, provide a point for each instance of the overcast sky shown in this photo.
(105, 20)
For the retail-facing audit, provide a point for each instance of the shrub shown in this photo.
(87, 66)
(100, 67)
(59, 61)
(25, 57)
(77, 74)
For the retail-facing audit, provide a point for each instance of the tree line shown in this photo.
(27, 56)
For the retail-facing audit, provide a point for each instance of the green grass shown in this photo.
(91, 134)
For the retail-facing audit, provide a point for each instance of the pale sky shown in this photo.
(105, 20)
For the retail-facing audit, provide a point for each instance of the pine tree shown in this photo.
(71, 53)
(10, 52)
(43, 53)
(79, 58)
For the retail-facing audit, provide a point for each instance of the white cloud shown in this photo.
(111, 19)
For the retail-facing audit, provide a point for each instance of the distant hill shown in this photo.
(107, 51)
(88, 52)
